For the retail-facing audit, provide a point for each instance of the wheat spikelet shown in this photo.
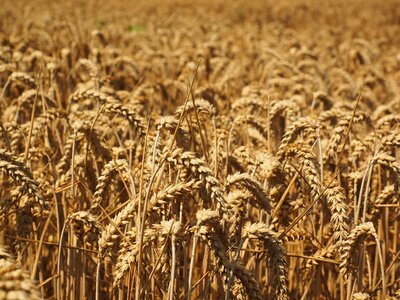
(128, 113)
(82, 129)
(80, 168)
(200, 169)
(326, 252)
(387, 195)
(172, 192)
(361, 296)
(14, 282)
(43, 121)
(7, 68)
(276, 256)
(22, 177)
(310, 166)
(201, 105)
(89, 67)
(339, 210)
(242, 156)
(27, 98)
(98, 96)
(112, 168)
(253, 90)
(83, 222)
(93, 138)
(344, 75)
(331, 115)
(170, 123)
(218, 153)
(236, 204)
(388, 161)
(287, 108)
(125, 60)
(360, 148)
(338, 133)
(255, 122)
(249, 102)
(386, 122)
(13, 132)
(353, 242)
(391, 140)
(293, 131)
(23, 78)
(245, 277)
(295, 234)
(208, 219)
(129, 251)
(64, 163)
(110, 232)
(250, 183)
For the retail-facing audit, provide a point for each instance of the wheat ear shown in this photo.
(23, 177)
(276, 256)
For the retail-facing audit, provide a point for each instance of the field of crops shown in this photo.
(199, 149)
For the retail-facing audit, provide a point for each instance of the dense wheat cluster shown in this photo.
(199, 150)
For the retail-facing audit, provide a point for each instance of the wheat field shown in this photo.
(199, 149)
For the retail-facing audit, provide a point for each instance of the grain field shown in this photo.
(199, 149)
